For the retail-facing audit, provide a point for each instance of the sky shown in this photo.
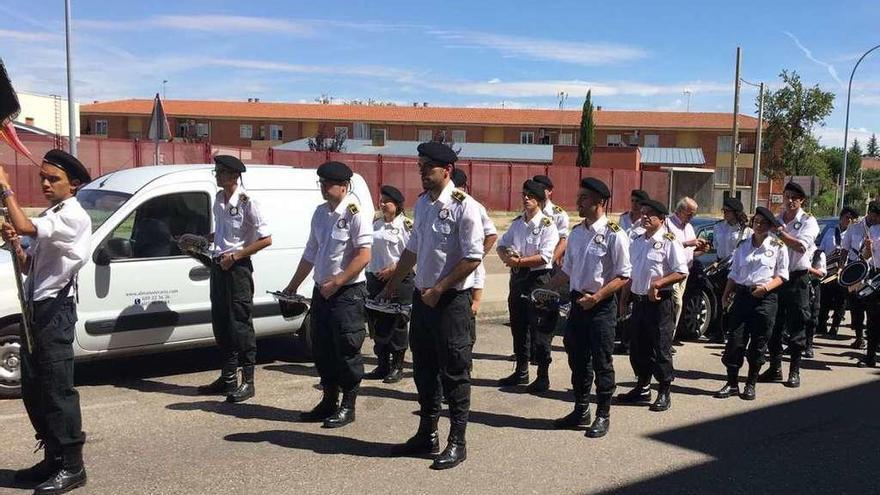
(671, 55)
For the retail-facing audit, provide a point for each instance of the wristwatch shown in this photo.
(5, 193)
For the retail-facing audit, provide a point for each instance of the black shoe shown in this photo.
(858, 344)
(325, 408)
(542, 381)
(794, 379)
(40, 471)
(677, 343)
(599, 427)
(426, 441)
(244, 392)
(867, 363)
(518, 377)
(773, 374)
(453, 455)
(393, 376)
(664, 399)
(224, 385)
(808, 353)
(638, 394)
(64, 481)
(748, 392)
(343, 416)
(579, 417)
(621, 348)
(728, 390)
(381, 370)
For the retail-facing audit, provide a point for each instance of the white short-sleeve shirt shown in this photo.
(653, 258)
(805, 228)
(389, 241)
(61, 248)
(237, 222)
(758, 265)
(559, 217)
(336, 236)
(530, 237)
(596, 254)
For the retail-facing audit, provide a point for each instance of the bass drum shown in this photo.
(853, 273)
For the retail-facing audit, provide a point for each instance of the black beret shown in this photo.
(437, 152)
(335, 171)
(733, 204)
(849, 210)
(459, 178)
(874, 207)
(766, 213)
(230, 162)
(596, 186)
(639, 195)
(543, 179)
(533, 187)
(655, 205)
(74, 169)
(393, 193)
(795, 187)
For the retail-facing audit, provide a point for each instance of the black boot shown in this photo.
(748, 392)
(664, 398)
(325, 408)
(577, 418)
(71, 475)
(395, 374)
(773, 373)
(425, 441)
(859, 343)
(246, 390)
(42, 470)
(520, 375)
(455, 452)
(794, 371)
(732, 385)
(603, 417)
(640, 393)
(382, 368)
(542, 381)
(225, 384)
(345, 414)
(808, 352)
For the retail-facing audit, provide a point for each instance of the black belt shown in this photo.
(663, 294)
(575, 295)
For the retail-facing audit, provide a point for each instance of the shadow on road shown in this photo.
(315, 442)
(241, 411)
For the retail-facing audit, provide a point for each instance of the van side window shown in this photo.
(153, 226)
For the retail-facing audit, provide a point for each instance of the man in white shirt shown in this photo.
(62, 245)
(832, 295)
(630, 220)
(445, 248)
(490, 235)
(559, 217)
(679, 225)
(852, 242)
(239, 233)
(871, 252)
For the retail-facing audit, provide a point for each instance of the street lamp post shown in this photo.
(846, 131)
(71, 105)
(164, 82)
(756, 164)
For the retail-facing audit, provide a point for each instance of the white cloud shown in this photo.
(809, 54)
(579, 53)
(28, 36)
(575, 88)
(833, 136)
(218, 23)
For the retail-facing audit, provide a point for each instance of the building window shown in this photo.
(565, 139)
(425, 135)
(722, 176)
(652, 141)
(613, 140)
(725, 144)
(246, 131)
(341, 132)
(361, 130)
(378, 136)
(101, 127)
(762, 179)
(526, 137)
(459, 136)
(182, 130)
(203, 129)
(276, 132)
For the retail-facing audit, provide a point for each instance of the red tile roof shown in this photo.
(607, 119)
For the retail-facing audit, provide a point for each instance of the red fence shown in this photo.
(496, 184)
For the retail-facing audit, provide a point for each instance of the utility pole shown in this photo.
(735, 149)
(71, 105)
(688, 93)
(756, 163)
(846, 131)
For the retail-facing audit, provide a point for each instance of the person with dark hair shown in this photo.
(61, 247)
(871, 252)
(391, 232)
(853, 241)
(490, 235)
(338, 249)
(559, 217)
(527, 249)
(818, 270)
(726, 236)
(760, 266)
(832, 295)
(629, 220)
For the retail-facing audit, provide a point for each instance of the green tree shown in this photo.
(873, 151)
(792, 112)
(587, 134)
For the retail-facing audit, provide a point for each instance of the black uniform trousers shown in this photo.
(750, 324)
(51, 402)
(793, 313)
(856, 314)
(589, 344)
(442, 342)
(833, 298)
(873, 310)
(532, 328)
(815, 305)
(652, 326)
(390, 332)
(232, 304)
(339, 332)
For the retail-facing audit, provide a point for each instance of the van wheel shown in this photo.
(10, 362)
(304, 335)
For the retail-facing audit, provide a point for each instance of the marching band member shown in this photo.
(727, 234)
(853, 241)
(559, 217)
(833, 296)
(818, 270)
(490, 235)
(760, 265)
(630, 220)
(871, 251)
(527, 249)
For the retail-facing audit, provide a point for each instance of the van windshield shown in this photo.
(100, 204)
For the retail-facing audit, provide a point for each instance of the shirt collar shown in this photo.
(548, 206)
(599, 223)
(657, 235)
(797, 216)
(446, 195)
(340, 208)
(536, 220)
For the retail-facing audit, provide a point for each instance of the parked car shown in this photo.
(702, 295)
(138, 293)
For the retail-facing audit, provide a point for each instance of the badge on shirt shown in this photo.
(536, 231)
(599, 238)
(395, 231)
(443, 214)
(768, 253)
(797, 225)
(658, 245)
(342, 223)
(233, 211)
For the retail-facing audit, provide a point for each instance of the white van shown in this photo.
(138, 293)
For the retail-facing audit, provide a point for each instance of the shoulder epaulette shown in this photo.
(458, 195)
(353, 209)
(243, 197)
(807, 215)
(614, 227)
(545, 222)
(669, 235)
(778, 243)
(557, 209)
(407, 224)
(516, 218)
(58, 208)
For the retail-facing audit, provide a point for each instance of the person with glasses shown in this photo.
(338, 249)
(760, 266)
(798, 230)
(239, 233)
(527, 249)
(658, 262)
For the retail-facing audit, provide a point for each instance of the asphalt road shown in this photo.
(149, 433)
